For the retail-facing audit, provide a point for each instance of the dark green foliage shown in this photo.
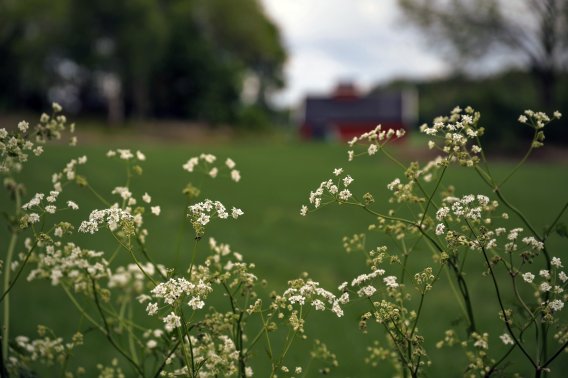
(500, 99)
(173, 58)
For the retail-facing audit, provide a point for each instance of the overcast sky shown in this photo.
(364, 41)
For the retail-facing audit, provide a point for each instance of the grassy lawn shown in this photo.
(276, 181)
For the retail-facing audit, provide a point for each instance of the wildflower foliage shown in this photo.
(214, 317)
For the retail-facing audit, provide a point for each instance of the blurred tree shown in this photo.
(242, 33)
(530, 33)
(180, 58)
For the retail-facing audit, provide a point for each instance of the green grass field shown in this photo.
(276, 181)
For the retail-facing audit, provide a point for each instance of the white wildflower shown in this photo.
(556, 305)
(152, 309)
(390, 281)
(528, 277)
(344, 195)
(230, 163)
(72, 205)
(235, 213)
(146, 198)
(235, 175)
(23, 126)
(172, 321)
(507, 339)
(372, 149)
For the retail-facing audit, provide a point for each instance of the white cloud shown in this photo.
(359, 40)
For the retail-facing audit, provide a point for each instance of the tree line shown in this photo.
(200, 59)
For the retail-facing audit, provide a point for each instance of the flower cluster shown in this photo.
(47, 349)
(173, 292)
(71, 265)
(203, 212)
(550, 288)
(112, 217)
(303, 292)
(468, 208)
(364, 285)
(126, 154)
(133, 278)
(16, 146)
(205, 162)
(537, 121)
(458, 135)
(215, 356)
(42, 204)
(69, 173)
(374, 140)
(330, 191)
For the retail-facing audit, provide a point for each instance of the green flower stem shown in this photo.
(261, 332)
(484, 158)
(400, 352)
(129, 249)
(265, 329)
(499, 194)
(131, 339)
(518, 213)
(6, 295)
(20, 269)
(517, 294)
(107, 332)
(520, 163)
(147, 255)
(163, 364)
(237, 331)
(496, 364)
(7, 284)
(424, 213)
(555, 355)
(393, 159)
(551, 227)
(82, 310)
(414, 179)
(505, 317)
(193, 255)
(103, 330)
(458, 274)
(288, 344)
(187, 355)
(415, 325)
(101, 198)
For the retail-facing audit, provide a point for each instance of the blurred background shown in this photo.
(278, 85)
(249, 65)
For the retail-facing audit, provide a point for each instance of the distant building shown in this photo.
(347, 113)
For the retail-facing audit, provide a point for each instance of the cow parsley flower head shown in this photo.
(507, 339)
(556, 305)
(112, 218)
(528, 277)
(172, 321)
(203, 212)
(207, 164)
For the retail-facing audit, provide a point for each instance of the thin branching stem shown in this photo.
(108, 333)
(520, 163)
(7, 284)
